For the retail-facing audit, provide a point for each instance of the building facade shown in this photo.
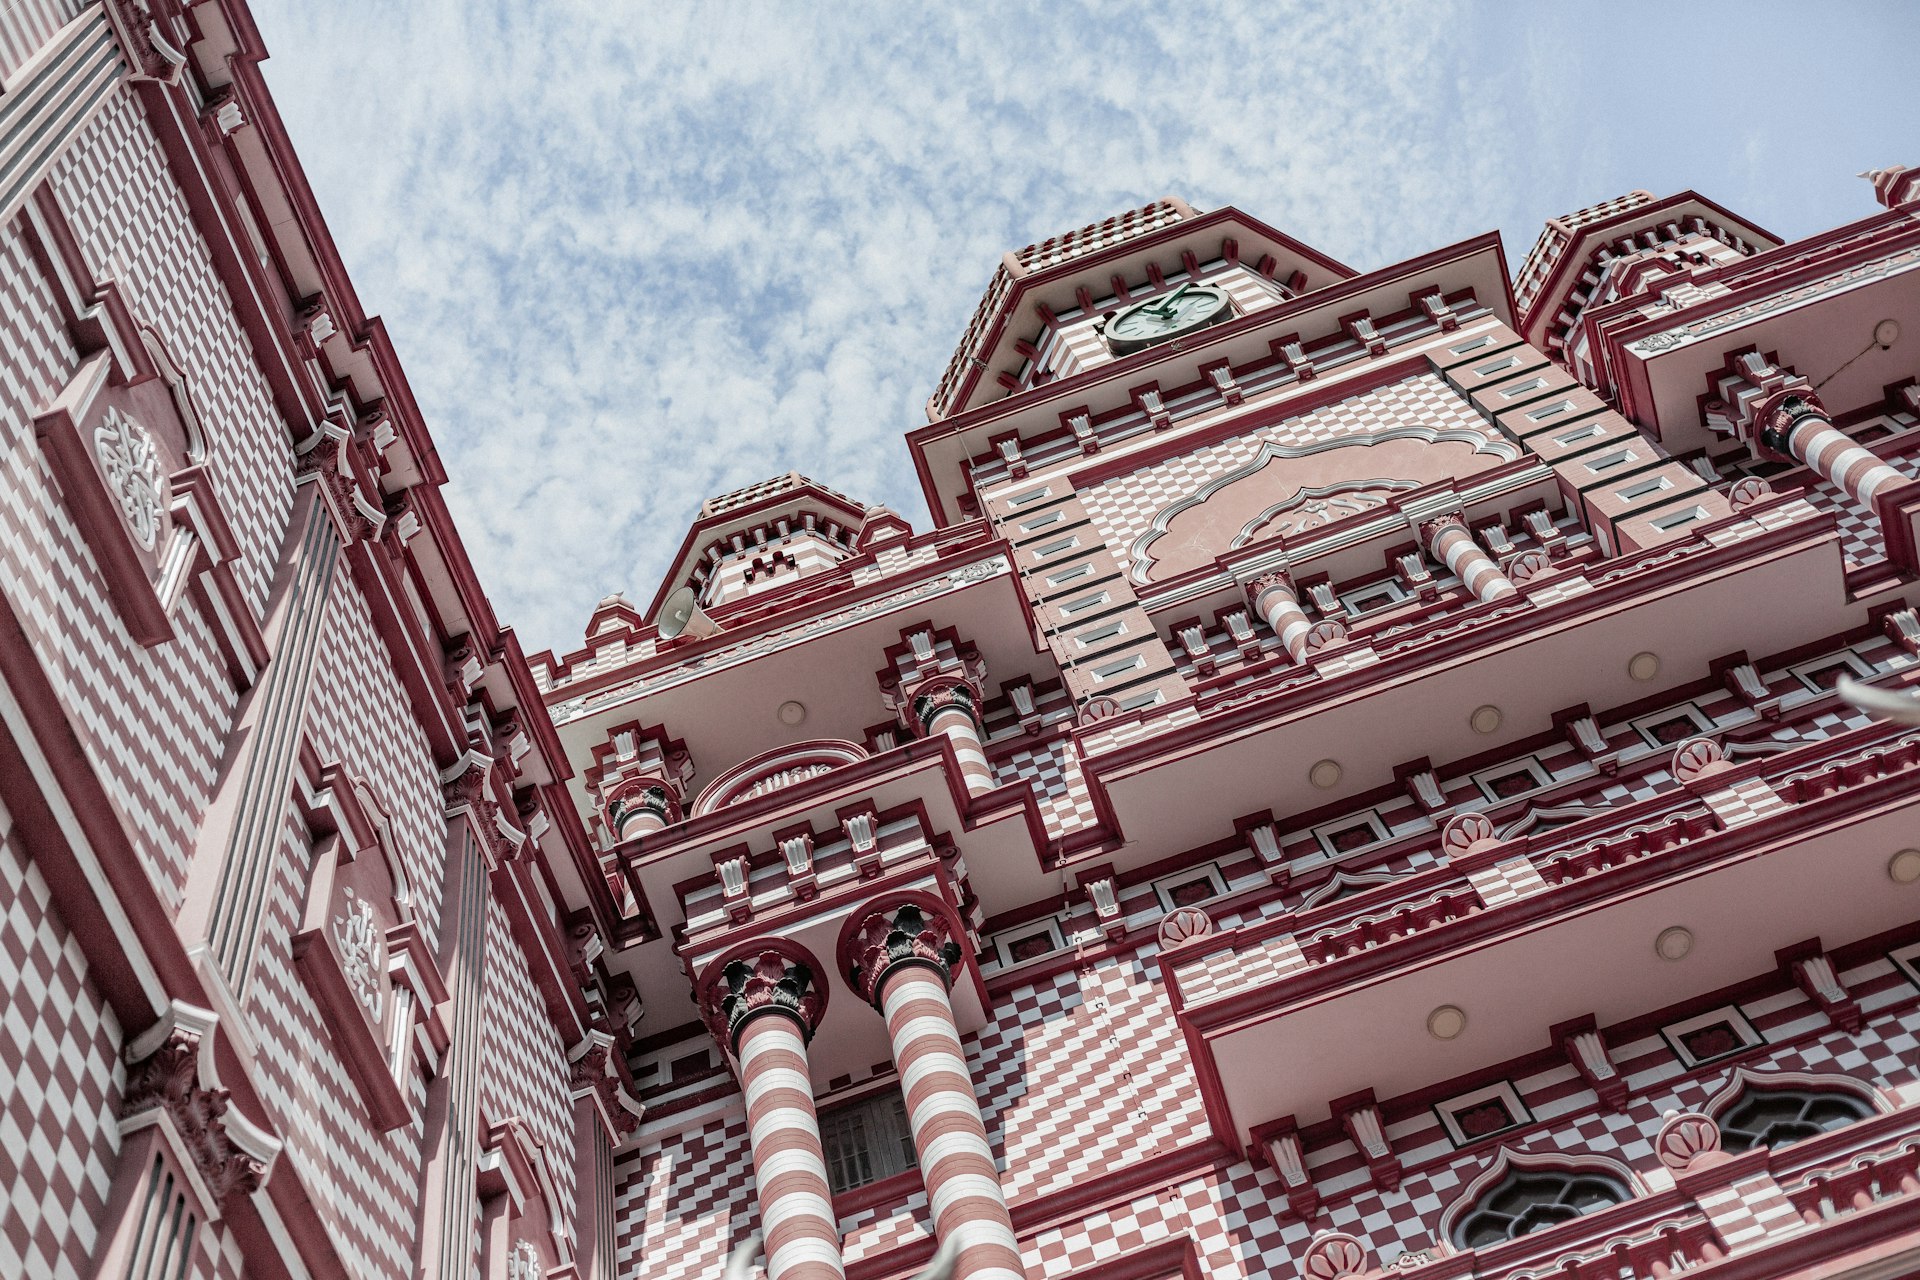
(1354, 778)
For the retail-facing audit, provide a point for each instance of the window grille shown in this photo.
(1528, 1200)
(866, 1141)
(1774, 1117)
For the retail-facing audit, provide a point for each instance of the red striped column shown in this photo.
(764, 1006)
(1799, 427)
(638, 807)
(1273, 599)
(642, 776)
(1449, 541)
(902, 959)
(951, 707)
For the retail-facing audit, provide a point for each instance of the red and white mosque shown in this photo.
(1354, 780)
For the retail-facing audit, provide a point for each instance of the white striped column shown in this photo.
(949, 708)
(1273, 599)
(903, 963)
(755, 1008)
(1800, 428)
(1449, 541)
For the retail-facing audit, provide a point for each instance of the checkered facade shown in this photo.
(1236, 1213)
(685, 1202)
(1082, 1074)
(1861, 541)
(1093, 1105)
(360, 720)
(1505, 881)
(524, 1073)
(1060, 789)
(366, 1183)
(1123, 508)
(60, 1082)
(151, 720)
(153, 724)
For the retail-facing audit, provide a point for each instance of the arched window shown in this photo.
(1762, 1117)
(1527, 1200)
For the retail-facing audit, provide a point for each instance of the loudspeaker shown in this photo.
(681, 618)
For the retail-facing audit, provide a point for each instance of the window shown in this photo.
(867, 1140)
(1762, 1117)
(1357, 831)
(1822, 674)
(1711, 1036)
(1678, 518)
(1483, 1113)
(1516, 778)
(1378, 595)
(1664, 728)
(1190, 888)
(1029, 942)
(1527, 1200)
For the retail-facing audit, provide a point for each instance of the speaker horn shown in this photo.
(681, 618)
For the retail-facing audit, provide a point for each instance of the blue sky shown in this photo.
(635, 255)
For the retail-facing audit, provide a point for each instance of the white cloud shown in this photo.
(633, 258)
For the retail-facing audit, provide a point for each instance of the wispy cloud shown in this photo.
(634, 258)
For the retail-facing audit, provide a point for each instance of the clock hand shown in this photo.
(1166, 306)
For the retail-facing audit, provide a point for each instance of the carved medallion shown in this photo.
(131, 464)
(363, 952)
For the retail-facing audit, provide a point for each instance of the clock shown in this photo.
(1186, 309)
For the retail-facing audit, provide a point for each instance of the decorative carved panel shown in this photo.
(124, 441)
(360, 950)
(1289, 490)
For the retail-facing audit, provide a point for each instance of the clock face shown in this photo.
(1187, 308)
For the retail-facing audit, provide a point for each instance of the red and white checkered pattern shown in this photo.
(150, 719)
(873, 1231)
(1053, 770)
(889, 561)
(360, 718)
(26, 25)
(135, 227)
(678, 1201)
(1743, 802)
(1746, 1212)
(680, 1207)
(1082, 1073)
(1505, 881)
(1121, 509)
(1861, 541)
(1348, 657)
(1224, 972)
(525, 1072)
(365, 1184)
(60, 1082)
(1561, 586)
(1236, 1213)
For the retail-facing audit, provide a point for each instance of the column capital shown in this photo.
(930, 670)
(640, 774)
(1272, 580)
(1776, 417)
(1430, 529)
(884, 935)
(925, 701)
(167, 1080)
(768, 974)
(633, 797)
